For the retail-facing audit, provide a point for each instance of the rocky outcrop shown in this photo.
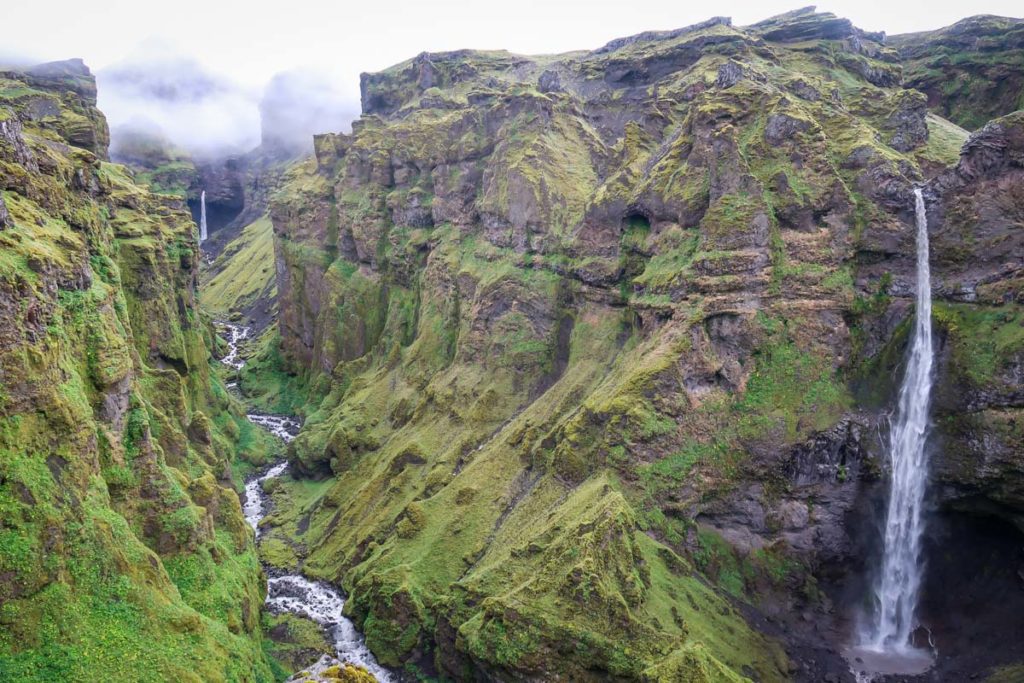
(65, 91)
(970, 71)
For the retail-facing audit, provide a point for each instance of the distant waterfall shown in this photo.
(900, 581)
(202, 217)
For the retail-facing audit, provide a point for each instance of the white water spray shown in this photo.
(900, 581)
(886, 645)
(202, 217)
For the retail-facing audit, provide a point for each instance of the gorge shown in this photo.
(698, 356)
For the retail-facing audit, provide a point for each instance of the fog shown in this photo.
(298, 103)
(160, 92)
(197, 110)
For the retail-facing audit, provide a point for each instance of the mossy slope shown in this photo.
(123, 551)
(584, 326)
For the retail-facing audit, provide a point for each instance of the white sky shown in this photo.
(250, 41)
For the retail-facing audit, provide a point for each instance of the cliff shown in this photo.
(124, 554)
(970, 71)
(606, 339)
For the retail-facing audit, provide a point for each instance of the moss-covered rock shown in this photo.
(123, 551)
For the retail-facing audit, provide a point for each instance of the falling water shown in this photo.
(901, 565)
(202, 217)
(897, 589)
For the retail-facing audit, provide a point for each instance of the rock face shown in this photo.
(591, 327)
(123, 551)
(65, 96)
(980, 246)
(971, 71)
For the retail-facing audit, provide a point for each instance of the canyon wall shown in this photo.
(607, 339)
(124, 554)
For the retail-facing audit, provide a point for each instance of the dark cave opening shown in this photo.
(218, 214)
(972, 599)
(636, 222)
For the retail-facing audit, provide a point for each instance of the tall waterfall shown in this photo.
(900, 580)
(202, 217)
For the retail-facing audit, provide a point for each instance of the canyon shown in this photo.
(596, 358)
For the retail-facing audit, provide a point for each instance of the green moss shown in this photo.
(270, 384)
(123, 557)
(294, 642)
(243, 274)
(984, 339)
(793, 386)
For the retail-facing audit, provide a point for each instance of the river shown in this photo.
(295, 593)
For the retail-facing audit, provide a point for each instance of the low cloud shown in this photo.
(157, 90)
(197, 110)
(297, 104)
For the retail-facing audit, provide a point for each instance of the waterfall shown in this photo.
(202, 217)
(900, 580)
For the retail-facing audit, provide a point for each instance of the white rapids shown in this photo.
(236, 334)
(284, 427)
(323, 604)
(886, 643)
(294, 593)
(254, 507)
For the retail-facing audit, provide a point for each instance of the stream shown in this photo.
(315, 600)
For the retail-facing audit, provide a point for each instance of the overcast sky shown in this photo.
(249, 41)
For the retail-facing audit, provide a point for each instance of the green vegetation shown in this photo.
(124, 557)
(544, 318)
(985, 340)
(525, 372)
(243, 271)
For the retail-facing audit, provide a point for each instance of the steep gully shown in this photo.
(293, 592)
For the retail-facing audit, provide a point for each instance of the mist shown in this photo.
(160, 93)
(209, 102)
(298, 103)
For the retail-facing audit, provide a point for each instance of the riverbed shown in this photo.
(294, 593)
